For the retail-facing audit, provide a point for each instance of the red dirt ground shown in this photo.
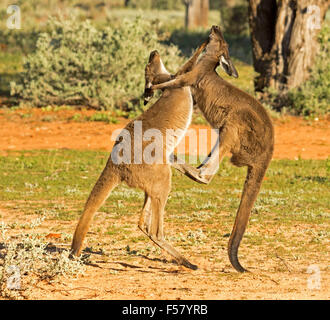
(36, 129)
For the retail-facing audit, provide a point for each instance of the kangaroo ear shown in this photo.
(227, 65)
(214, 29)
(148, 93)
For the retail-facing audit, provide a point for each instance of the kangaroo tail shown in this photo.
(250, 191)
(104, 185)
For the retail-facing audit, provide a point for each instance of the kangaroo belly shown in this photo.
(214, 111)
(152, 137)
(181, 119)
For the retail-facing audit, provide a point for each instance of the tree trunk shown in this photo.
(197, 12)
(284, 40)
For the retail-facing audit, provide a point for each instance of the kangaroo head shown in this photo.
(218, 48)
(155, 72)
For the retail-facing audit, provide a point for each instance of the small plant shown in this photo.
(26, 259)
(103, 117)
(25, 115)
(76, 117)
(205, 206)
(196, 236)
(48, 118)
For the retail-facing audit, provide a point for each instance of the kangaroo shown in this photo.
(245, 129)
(173, 110)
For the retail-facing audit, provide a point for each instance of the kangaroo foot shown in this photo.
(199, 178)
(196, 175)
(192, 172)
(174, 253)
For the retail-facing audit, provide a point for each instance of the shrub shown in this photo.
(235, 19)
(23, 41)
(156, 4)
(75, 63)
(102, 117)
(26, 259)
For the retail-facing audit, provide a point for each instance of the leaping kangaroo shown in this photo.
(173, 110)
(245, 129)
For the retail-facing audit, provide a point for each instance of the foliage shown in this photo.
(156, 4)
(186, 40)
(102, 117)
(24, 40)
(75, 63)
(234, 19)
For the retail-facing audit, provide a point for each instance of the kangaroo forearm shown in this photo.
(168, 84)
(186, 79)
(161, 78)
(192, 61)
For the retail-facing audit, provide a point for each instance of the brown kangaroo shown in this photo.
(245, 129)
(173, 110)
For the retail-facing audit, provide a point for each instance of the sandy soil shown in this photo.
(113, 274)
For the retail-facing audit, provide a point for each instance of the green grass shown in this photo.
(293, 190)
(102, 117)
(290, 217)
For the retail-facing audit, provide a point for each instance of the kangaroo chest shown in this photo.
(213, 105)
(180, 121)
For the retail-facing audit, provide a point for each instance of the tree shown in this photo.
(284, 40)
(197, 12)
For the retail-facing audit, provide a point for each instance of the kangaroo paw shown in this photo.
(195, 175)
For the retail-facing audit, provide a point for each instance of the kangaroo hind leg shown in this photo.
(250, 192)
(104, 185)
(145, 217)
(156, 233)
(205, 172)
(157, 236)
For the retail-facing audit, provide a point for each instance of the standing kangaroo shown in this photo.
(173, 110)
(245, 129)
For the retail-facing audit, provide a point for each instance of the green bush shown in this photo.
(156, 4)
(29, 255)
(22, 40)
(187, 40)
(312, 98)
(235, 19)
(75, 63)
